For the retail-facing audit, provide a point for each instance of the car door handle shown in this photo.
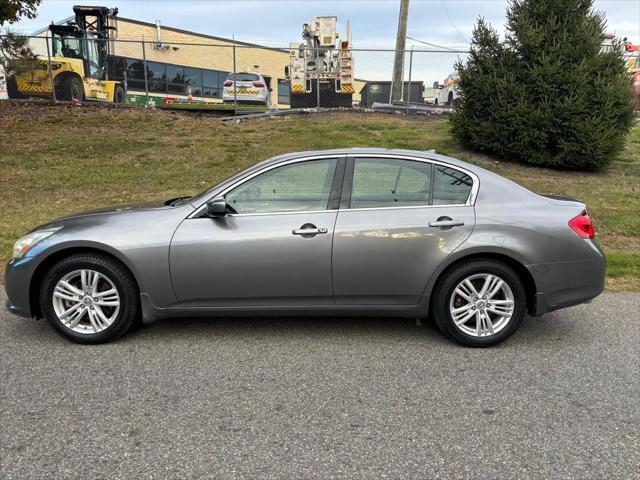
(309, 229)
(446, 222)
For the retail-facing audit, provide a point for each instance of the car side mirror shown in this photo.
(217, 207)
(436, 85)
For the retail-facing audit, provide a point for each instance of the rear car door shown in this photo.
(273, 250)
(399, 218)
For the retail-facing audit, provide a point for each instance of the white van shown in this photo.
(447, 93)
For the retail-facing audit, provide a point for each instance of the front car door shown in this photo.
(399, 219)
(273, 250)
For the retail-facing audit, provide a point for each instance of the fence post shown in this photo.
(53, 89)
(146, 81)
(409, 85)
(317, 81)
(235, 88)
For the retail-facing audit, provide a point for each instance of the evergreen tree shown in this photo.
(15, 54)
(548, 94)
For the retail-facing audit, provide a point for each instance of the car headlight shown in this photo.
(30, 240)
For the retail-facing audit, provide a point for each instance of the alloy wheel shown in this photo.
(86, 301)
(481, 305)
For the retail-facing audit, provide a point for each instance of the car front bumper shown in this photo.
(17, 283)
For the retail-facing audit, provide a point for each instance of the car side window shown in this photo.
(296, 187)
(386, 182)
(450, 186)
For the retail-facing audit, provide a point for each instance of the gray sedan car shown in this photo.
(332, 232)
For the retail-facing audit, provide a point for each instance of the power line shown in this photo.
(451, 22)
(430, 44)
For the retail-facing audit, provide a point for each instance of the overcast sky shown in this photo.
(373, 22)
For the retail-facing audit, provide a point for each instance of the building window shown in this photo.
(135, 75)
(156, 77)
(210, 84)
(163, 78)
(193, 79)
(176, 79)
(117, 67)
(213, 83)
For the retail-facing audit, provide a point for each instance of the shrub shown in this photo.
(548, 94)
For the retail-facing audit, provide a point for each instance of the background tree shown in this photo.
(548, 94)
(15, 54)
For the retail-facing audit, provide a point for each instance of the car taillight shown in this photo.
(582, 225)
(258, 84)
(228, 83)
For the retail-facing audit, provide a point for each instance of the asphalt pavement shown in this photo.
(323, 398)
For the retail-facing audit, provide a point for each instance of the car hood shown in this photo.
(154, 205)
(125, 207)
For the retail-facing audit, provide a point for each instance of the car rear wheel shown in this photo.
(89, 298)
(479, 303)
(450, 99)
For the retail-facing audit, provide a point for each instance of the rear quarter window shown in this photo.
(450, 186)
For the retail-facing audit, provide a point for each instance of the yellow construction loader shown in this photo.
(79, 56)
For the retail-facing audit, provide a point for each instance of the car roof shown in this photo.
(425, 154)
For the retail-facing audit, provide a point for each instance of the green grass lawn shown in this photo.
(60, 160)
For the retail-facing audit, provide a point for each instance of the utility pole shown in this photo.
(398, 61)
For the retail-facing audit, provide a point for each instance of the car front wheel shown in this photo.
(479, 303)
(89, 298)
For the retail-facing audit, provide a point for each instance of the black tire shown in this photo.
(450, 280)
(435, 102)
(125, 285)
(119, 95)
(450, 99)
(12, 88)
(69, 87)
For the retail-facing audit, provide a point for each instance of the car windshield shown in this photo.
(244, 77)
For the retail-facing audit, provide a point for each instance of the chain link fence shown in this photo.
(230, 76)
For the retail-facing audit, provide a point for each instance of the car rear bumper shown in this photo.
(17, 281)
(245, 98)
(564, 284)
